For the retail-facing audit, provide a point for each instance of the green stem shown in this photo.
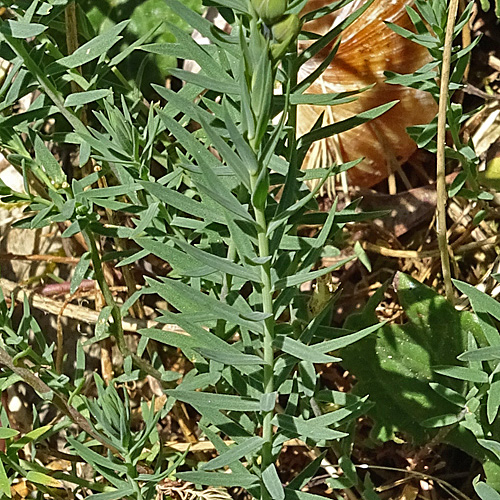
(115, 311)
(58, 399)
(20, 49)
(268, 336)
(106, 292)
(292, 71)
(220, 329)
(18, 46)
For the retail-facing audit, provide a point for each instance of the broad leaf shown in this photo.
(394, 366)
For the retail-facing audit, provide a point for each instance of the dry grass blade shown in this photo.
(79, 313)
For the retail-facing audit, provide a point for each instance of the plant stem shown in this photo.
(115, 310)
(18, 46)
(106, 292)
(268, 337)
(58, 399)
(220, 328)
(442, 193)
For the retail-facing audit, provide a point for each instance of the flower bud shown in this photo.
(286, 29)
(284, 32)
(491, 176)
(270, 11)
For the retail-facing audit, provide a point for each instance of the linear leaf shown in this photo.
(331, 35)
(344, 341)
(92, 457)
(313, 76)
(462, 373)
(307, 473)
(247, 447)
(485, 491)
(195, 112)
(80, 272)
(20, 29)
(113, 495)
(218, 401)
(480, 302)
(490, 445)
(41, 478)
(4, 482)
(298, 279)
(301, 495)
(199, 53)
(302, 351)
(489, 353)
(493, 401)
(198, 301)
(272, 482)
(182, 202)
(216, 190)
(7, 432)
(47, 161)
(203, 26)
(181, 262)
(283, 216)
(97, 47)
(299, 427)
(81, 98)
(330, 99)
(219, 479)
(219, 263)
(195, 336)
(243, 148)
(349, 123)
(223, 85)
(232, 358)
(448, 394)
(231, 158)
(441, 421)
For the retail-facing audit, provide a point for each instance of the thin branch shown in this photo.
(59, 400)
(442, 194)
(57, 259)
(79, 313)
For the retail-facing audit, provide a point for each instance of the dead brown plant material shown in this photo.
(80, 313)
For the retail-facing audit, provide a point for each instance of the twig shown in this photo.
(63, 288)
(470, 89)
(56, 259)
(424, 254)
(72, 36)
(400, 254)
(59, 400)
(60, 334)
(474, 245)
(442, 194)
(79, 313)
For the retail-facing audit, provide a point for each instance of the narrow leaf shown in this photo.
(20, 29)
(7, 433)
(4, 482)
(219, 479)
(220, 263)
(47, 161)
(302, 351)
(219, 401)
(40, 478)
(95, 48)
(81, 98)
(272, 482)
(298, 279)
(349, 123)
(463, 373)
(247, 447)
